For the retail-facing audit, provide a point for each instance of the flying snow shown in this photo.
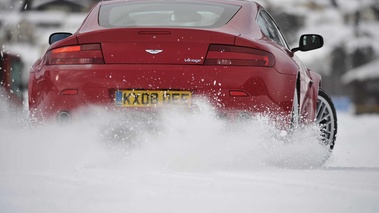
(172, 139)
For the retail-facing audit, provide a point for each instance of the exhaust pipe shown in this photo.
(63, 117)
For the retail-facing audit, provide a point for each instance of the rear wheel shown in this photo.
(326, 119)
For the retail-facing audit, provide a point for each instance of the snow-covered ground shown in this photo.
(191, 163)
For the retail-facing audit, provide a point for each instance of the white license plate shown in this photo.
(151, 98)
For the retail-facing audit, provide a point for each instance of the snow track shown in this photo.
(185, 162)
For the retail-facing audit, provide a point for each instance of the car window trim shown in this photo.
(283, 41)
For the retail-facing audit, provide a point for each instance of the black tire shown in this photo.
(326, 119)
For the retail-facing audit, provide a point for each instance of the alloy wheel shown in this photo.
(326, 119)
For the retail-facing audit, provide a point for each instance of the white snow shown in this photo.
(191, 163)
(367, 71)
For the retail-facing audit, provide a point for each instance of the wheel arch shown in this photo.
(316, 85)
(312, 95)
(316, 79)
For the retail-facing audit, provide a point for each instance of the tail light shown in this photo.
(238, 56)
(78, 54)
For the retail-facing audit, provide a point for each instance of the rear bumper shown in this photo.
(267, 91)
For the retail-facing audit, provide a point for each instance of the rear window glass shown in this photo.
(166, 14)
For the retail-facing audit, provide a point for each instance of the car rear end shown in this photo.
(142, 54)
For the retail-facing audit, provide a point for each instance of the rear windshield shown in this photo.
(166, 14)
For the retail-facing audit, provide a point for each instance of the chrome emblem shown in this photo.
(154, 52)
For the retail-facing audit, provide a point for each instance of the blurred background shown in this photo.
(348, 62)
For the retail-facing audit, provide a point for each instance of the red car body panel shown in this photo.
(181, 66)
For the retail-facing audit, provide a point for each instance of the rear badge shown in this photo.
(154, 52)
(192, 60)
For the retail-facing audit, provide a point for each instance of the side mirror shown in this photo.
(58, 36)
(309, 42)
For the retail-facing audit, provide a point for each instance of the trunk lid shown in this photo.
(156, 45)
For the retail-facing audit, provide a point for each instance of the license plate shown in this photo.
(151, 98)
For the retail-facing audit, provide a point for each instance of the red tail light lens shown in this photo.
(238, 56)
(79, 54)
(69, 92)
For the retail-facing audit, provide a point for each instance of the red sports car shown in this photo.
(147, 54)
